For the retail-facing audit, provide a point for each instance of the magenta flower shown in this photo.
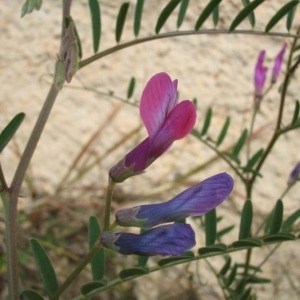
(165, 119)
(195, 201)
(174, 239)
(260, 75)
(295, 175)
(278, 63)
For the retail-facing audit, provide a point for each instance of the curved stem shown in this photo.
(137, 41)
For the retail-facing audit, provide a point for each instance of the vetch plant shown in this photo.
(167, 228)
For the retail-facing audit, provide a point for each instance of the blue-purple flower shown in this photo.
(172, 239)
(295, 175)
(195, 201)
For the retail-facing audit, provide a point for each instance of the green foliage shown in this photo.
(182, 11)
(91, 286)
(45, 267)
(210, 8)
(210, 227)
(98, 262)
(246, 220)
(133, 272)
(31, 295)
(96, 23)
(121, 20)
(29, 6)
(138, 17)
(164, 15)
(248, 11)
(131, 87)
(207, 121)
(239, 145)
(285, 9)
(9, 131)
(223, 132)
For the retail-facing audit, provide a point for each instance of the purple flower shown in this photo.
(195, 201)
(174, 239)
(294, 176)
(165, 119)
(278, 63)
(260, 75)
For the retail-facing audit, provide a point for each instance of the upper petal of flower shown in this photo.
(158, 99)
(195, 201)
(278, 63)
(174, 239)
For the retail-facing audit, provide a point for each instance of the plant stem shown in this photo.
(94, 250)
(137, 41)
(14, 190)
(110, 190)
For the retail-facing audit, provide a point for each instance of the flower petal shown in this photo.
(195, 201)
(174, 239)
(278, 63)
(158, 99)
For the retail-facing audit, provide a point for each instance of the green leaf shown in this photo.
(239, 145)
(29, 6)
(98, 262)
(223, 132)
(251, 16)
(138, 17)
(296, 112)
(247, 11)
(280, 14)
(231, 276)
(257, 280)
(142, 260)
(90, 286)
(253, 160)
(210, 227)
(210, 7)
(246, 220)
(277, 216)
(164, 15)
(224, 231)
(206, 121)
(9, 131)
(121, 20)
(222, 248)
(290, 18)
(216, 15)
(31, 295)
(247, 243)
(44, 266)
(289, 222)
(182, 11)
(226, 266)
(131, 87)
(279, 237)
(133, 272)
(170, 260)
(96, 23)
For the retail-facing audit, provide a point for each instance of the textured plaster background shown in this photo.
(216, 69)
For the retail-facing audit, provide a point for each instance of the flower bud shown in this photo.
(174, 239)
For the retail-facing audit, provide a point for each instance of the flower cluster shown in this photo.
(166, 120)
(172, 239)
(260, 73)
